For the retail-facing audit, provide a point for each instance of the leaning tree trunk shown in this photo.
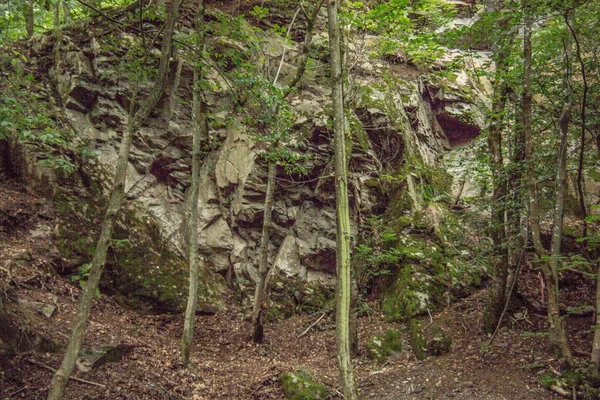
(61, 376)
(344, 278)
(259, 307)
(200, 136)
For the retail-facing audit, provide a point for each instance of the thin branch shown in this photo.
(49, 368)
(508, 297)
(311, 325)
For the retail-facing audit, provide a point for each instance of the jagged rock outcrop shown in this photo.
(402, 113)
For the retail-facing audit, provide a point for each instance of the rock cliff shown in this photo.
(400, 115)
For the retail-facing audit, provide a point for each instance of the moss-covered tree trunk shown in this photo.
(62, 375)
(200, 137)
(344, 278)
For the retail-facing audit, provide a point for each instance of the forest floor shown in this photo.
(227, 365)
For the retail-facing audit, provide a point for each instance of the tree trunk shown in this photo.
(28, 16)
(116, 198)
(595, 357)
(346, 88)
(344, 278)
(200, 136)
(583, 115)
(534, 219)
(497, 295)
(260, 292)
(259, 308)
(558, 337)
(354, 319)
(67, 13)
(56, 14)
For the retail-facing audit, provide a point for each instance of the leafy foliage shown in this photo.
(26, 116)
(82, 274)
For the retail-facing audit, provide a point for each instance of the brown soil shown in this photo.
(227, 365)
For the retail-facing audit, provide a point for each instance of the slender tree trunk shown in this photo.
(583, 115)
(595, 356)
(534, 218)
(515, 183)
(259, 309)
(56, 15)
(346, 85)
(558, 337)
(344, 278)
(497, 297)
(28, 15)
(354, 319)
(200, 136)
(67, 12)
(260, 292)
(116, 198)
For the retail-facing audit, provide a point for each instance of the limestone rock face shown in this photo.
(390, 117)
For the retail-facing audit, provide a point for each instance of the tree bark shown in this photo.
(200, 137)
(61, 377)
(344, 278)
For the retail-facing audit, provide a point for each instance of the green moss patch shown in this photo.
(379, 348)
(416, 339)
(299, 385)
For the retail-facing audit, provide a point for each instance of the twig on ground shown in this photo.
(49, 368)
(311, 325)
(18, 391)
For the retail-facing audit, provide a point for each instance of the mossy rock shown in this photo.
(141, 267)
(300, 385)
(379, 348)
(408, 296)
(289, 295)
(416, 339)
(155, 276)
